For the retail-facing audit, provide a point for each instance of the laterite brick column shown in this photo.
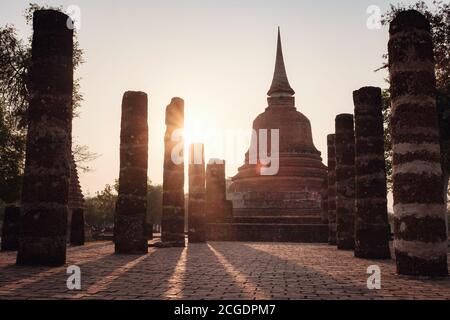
(345, 181)
(45, 190)
(324, 201)
(10, 228)
(131, 208)
(216, 203)
(371, 217)
(172, 222)
(77, 228)
(331, 189)
(419, 208)
(196, 204)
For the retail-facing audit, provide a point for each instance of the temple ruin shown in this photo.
(285, 205)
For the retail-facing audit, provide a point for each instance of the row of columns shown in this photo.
(38, 230)
(206, 202)
(356, 163)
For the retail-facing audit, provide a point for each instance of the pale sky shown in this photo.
(219, 57)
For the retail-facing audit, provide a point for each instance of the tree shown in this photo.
(99, 210)
(154, 203)
(439, 17)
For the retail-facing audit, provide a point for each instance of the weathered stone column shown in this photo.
(77, 228)
(324, 201)
(419, 208)
(172, 222)
(76, 198)
(331, 190)
(45, 189)
(371, 217)
(131, 207)
(10, 229)
(216, 203)
(196, 205)
(345, 181)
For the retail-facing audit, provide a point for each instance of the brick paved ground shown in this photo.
(217, 270)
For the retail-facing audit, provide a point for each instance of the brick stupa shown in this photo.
(292, 196)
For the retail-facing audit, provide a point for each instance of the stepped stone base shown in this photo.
(267, 232)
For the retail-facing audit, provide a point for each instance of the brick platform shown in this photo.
(216, 270)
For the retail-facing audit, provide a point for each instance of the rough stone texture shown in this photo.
(265, 231)
(324, 203)
(77, 228)
(45, 189)
(196, 205)
(296, 189)
(149, 231)
(76, 198)
(371, 217)
(331, 189)
(217, 270)
(10, 228)
(131, 207)
(419, 205)
(345, 181)
(217, 207)
(172, 222)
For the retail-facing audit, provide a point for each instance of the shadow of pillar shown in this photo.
(18, 276)
(206, 276)
(154, 278)
(52, 282)
(282, 278)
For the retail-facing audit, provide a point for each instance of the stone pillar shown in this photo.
(10, 229)
(76, 198)
(196, 206)
(345, 181)
(324, 201)
(45, 189)
(331, 189)
(371, 217)
(216, 203)
(131, 207)
(419, 208)
(77, 228)
(149, 230)
(172, 221)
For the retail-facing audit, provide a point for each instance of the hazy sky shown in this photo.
(219, 57)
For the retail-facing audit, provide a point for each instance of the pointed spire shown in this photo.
(280, 83)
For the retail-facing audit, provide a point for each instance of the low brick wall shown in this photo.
(272, 232)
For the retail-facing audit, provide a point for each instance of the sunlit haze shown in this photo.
(219, 57)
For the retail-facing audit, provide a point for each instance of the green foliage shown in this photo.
(99, 210)
(12, 149)
(154, 203)
(386, 109)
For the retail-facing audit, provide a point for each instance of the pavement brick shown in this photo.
(216, 270)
